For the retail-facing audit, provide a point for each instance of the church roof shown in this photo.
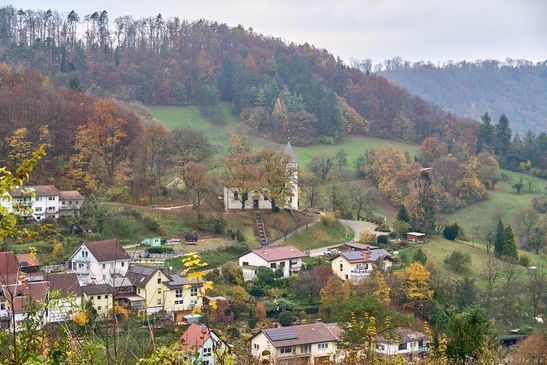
(289, 152)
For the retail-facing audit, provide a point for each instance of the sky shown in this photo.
(432, 30)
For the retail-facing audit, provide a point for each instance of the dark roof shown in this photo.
(66, 283)
(195, 336)
(279, 253)
(178, 281)
(300, 335)
(70, 195)
(359, 246)
(38, 190)
(107, 250)
(25, 294)
(289, 152)
(97, 289)
(140, 275)
(8, 268)
(365, 255)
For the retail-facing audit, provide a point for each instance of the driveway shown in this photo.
(358, 227)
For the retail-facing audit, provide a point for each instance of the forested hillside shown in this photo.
(517, 88)
(277, 87)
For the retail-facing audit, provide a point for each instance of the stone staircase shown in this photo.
(260, 229)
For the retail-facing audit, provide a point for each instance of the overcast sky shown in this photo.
(436, 30)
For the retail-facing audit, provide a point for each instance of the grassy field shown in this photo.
(191, 117)
(319, 235)
(438, 248)
(504, 201)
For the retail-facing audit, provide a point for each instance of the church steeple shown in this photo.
(289, 152)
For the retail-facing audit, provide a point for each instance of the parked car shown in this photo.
(331, 251)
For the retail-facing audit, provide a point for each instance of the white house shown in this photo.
(204, 343)
(69, 300)
(257, 200)
(358, 264)
(286, 258)
(42, 201)
(402, 341)
(99, 262)
(303, 344)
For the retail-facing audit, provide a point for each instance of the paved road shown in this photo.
(281, 240)
(355, 226)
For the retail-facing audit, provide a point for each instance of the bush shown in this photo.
(375, 218)
(382, 240)
(458, 262)
(286, 318)
(451, 232)
(540, 204)
(367, 237)
(524, 260)
(328, 219)
(159, 249)
(383, 228)
(233, 332)
(420, 256)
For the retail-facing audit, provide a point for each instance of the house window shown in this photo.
(341, 267)
(323, 346)
(381, 347)
(178, 293)
(38, 199)
(273, 266)
(80, 265)
(236, 196)
(205, 362)
(402, 346)
(286, 350)
(206, 351)
(159, 301)
(159, 290)
(159, 280)
(91, 297)
(104, 277)
(421, 343)
(282, 264)
(50, 198)
(38, 209)
(245, 263)
(104, 266)
(2, 306)
(256, 346)
(347, 277)
(304, 349)
(193, 292)
(123, 263)
(99, 308)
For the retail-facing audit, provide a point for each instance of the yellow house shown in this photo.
(148, 284)
(100, 296)
(359, 264)
(181, 296)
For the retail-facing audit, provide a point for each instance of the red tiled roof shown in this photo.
(70, 195)
(8, 268)
(26, 259)
(279, 253)
(107, 250)
(195, 336)
(22, 295)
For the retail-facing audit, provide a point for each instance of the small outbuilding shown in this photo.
(152, 241)
(415, 236)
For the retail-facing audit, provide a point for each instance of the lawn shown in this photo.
(319, 235)
(438, 248)
(503, 201)
(191, 117)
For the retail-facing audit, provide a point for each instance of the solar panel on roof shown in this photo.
(353, 255)
(282, 334)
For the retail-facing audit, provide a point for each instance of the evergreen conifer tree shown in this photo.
(509, 249)
(402, 215)
(498, 241)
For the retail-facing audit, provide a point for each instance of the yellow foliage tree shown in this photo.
(81, 318)
(417, 286)
(366, 237)
(382, 290)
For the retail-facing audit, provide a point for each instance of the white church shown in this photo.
(256, 200)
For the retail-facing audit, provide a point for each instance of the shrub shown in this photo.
(524, 260)
(366, 237)
(383, 228)
(286, 318)
(458, 262)
(328, 219)
(233, 332)
(420, 256)
(451, 232)
(159, 249)
(540, 204)
(382, 240)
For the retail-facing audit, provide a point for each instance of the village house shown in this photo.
(101, 297)
(149, 284)
(28, 263)
(68, 299)
(203, 343)
(181, 296)
(256, 199)
(310, 344)
(358, 264)
(415, 237)
(403, 341)
(99, 262)
(42, 201)
(288, 259)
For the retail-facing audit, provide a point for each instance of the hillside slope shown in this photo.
(516, 88)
